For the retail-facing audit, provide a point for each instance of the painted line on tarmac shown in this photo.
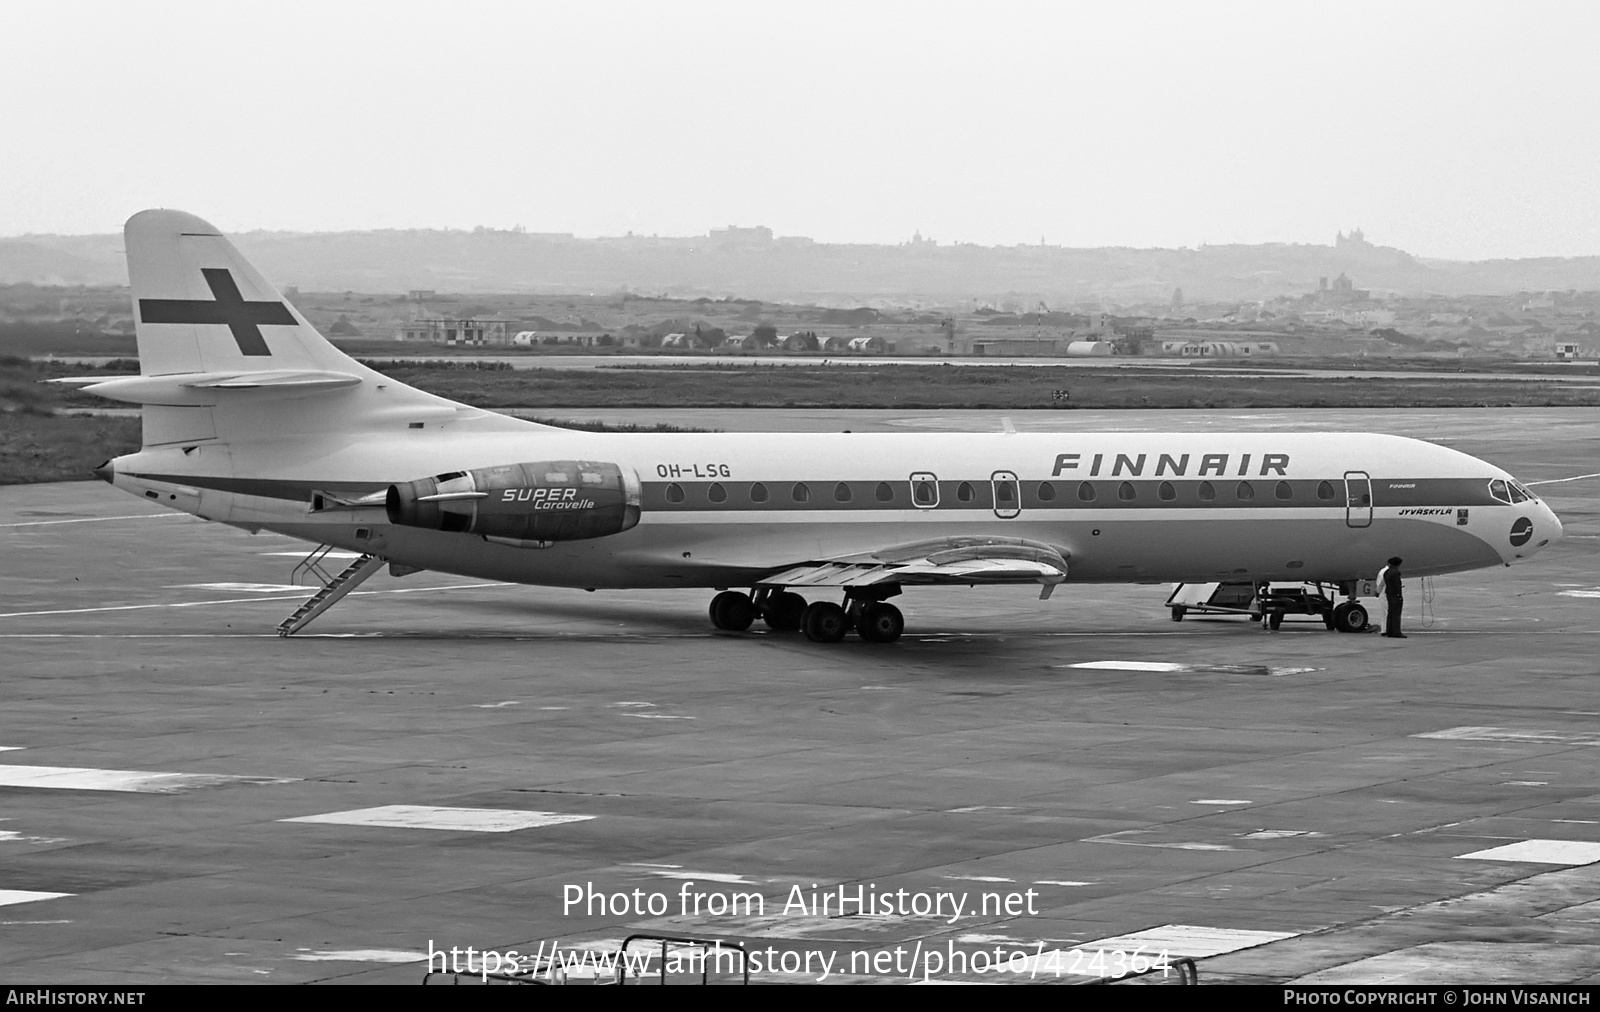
(261, 599)
(83, 778)
(471, 820)
(155, 636)
(1572, 853)
(1557, 481)
(10, 896)
(96, 520)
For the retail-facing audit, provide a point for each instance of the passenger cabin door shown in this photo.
(1357, 499)
(1007, 494)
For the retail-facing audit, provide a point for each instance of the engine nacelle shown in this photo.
(548, 500)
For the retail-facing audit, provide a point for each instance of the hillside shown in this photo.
(800, 270)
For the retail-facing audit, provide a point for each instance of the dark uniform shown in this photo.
(1392, 590)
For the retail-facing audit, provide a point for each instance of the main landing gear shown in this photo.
(872, 618)
(1349, 617)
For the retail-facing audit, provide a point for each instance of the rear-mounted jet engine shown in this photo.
(550, 500)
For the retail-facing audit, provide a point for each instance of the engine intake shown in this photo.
(550, 500)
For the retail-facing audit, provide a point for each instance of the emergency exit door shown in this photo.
(1007, 494)
(1357, 499)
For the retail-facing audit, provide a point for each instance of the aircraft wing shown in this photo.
(950, 560)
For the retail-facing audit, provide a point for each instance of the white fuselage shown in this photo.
(724, 510)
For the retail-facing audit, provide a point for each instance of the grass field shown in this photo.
(991, 387)
(37, 447)
(36, 444)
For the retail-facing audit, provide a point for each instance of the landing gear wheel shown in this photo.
(1275, 620)
(1178, 611)
(784, 611)
(1349, 617)
(880, 623)
(1327, 620)
(732, 611)
(824, 622)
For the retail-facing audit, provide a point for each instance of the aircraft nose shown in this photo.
(1551, 523)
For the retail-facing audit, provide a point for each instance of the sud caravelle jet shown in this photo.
(251, 418)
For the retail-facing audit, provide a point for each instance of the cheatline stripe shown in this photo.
(987, 522)
(259, 598)
(823, 495)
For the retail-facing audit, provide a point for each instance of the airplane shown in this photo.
(251, 418)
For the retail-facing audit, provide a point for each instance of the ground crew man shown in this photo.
(1389, 584)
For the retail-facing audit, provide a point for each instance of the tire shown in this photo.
(732, 611)
(1275, 620)
(1178, 611)
(1328, 620)
(784, 611)
(880, 623)
(824, 622)
(1350, 617)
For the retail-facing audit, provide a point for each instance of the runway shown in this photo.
(439, 762)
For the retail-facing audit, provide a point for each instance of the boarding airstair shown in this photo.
(333, 587)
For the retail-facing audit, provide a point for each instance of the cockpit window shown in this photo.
(1519, 492)
(1498, 489)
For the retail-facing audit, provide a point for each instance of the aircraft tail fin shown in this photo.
(225, 357)
(201, 307)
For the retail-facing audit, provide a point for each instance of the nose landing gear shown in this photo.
(1349, 617)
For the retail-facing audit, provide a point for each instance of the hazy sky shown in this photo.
(1459, 129)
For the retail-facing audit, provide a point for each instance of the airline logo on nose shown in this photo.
(1521, 532)
(244, 319)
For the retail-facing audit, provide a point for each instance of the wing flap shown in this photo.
(953, 560)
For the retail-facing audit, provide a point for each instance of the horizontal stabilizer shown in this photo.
(208, 388)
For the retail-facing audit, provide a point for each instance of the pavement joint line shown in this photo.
(259, 599)
(95, 520)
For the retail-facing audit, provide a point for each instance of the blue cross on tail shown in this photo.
(243, 318)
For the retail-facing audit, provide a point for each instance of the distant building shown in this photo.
(1021, 346)
(457, 332)
(1369, 317)
(868, 345)
(733, 235)
(1342, 290)
(1227, 349)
